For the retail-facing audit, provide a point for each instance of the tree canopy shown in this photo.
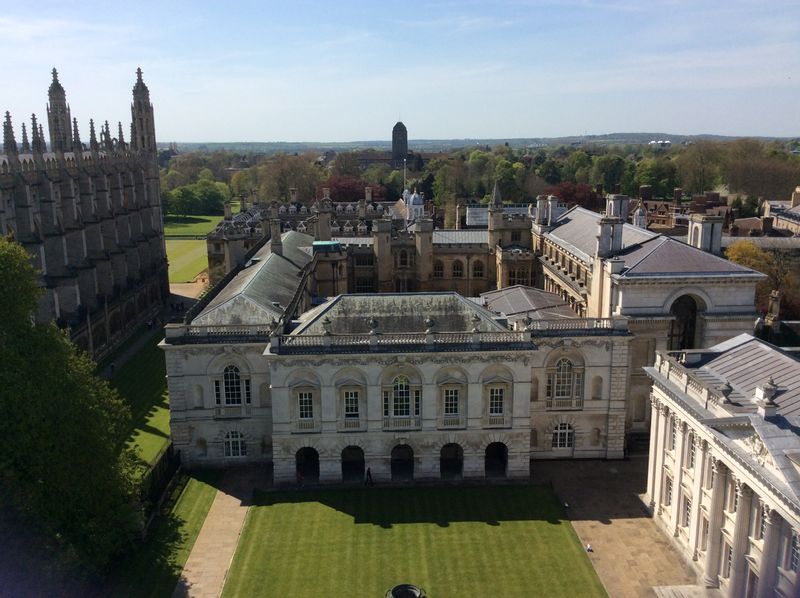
(63, 460)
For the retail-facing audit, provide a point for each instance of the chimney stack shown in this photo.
(677, 196)
(293, 194)
(368, 194)
(645, 192)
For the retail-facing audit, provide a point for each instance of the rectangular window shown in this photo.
(417, 402)
(217, 393)
(351, 404)
(496, 396)
(687, 511)
(727, 554)
(451, 401)
(246, 382)
(794, 552)
(673, 434)
(305, 402)
(692, 452)
(704, 534)
(762, 524)
(668, 492)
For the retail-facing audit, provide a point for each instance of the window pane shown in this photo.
(496, 396)
(451, 401)
(232, 385)
(305, 403)
(351, 403)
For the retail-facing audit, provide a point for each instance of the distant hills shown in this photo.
(443, 145)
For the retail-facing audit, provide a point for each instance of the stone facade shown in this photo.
(361, 376)
(90, 217)
(723, 475)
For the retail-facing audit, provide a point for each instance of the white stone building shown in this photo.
(419, 385)
(724, 471)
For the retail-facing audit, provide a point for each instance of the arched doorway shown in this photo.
(402, 463)
(451, 462)
(307, 464)
(496, 461)
(683, 328)
(353, 464)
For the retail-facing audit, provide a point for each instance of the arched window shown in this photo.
(565, 385)
(477, 269)
(403, 259)
(401, 399)
(438, 269)
(235, 445)
(458, 269)
(233, 388)
(563, 436)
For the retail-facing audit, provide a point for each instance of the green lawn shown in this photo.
(186, 259)
(189, 225)
(142, 383)
(470, 541)
(155, 567)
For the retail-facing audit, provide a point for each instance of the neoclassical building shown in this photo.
(724, 471)
(675, 295)
(89, 214)
(422, 385)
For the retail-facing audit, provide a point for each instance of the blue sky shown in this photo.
(339, 71)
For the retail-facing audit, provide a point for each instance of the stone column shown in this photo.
(677, 478)
(701, 449)
(769, 556)
(744, 497)
(711, 569)
(653, 460)
(658, 481)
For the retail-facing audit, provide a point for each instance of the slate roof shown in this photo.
(746, 363)
(519, 301)
(577, 230)
(644, 253)
(456, 237)
(397, 312)
(263, 288)
(664, 256)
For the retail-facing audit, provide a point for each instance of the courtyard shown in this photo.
(452, 541)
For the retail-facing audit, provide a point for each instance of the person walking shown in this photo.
(368, 478)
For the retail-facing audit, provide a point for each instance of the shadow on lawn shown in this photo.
(388, 506)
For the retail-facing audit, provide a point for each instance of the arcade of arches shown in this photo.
(404, 464)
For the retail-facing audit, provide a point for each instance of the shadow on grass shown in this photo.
(153, 567)
(442, 506)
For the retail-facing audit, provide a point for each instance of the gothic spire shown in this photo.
(42, 142)
(140, 89)
(92, 136)
(55, 85)
(497, 199)
(26, 146)
(9, 142)
(107, 137)
(120, 136)
(77, 146)
(37, 139)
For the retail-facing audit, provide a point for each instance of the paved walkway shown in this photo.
(630, 554)
(205, 570)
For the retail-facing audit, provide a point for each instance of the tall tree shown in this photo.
(62, 430)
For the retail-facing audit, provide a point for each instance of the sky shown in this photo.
(345, 71)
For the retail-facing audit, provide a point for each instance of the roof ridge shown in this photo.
(649, 253)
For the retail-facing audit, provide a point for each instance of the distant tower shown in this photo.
(143, 126)
(399, 144)
(58, 118)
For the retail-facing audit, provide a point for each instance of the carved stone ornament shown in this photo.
(757, 450)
